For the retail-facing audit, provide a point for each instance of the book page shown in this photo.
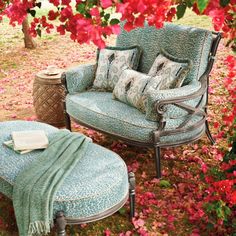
(32, 139)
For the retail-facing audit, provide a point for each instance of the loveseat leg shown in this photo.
(61, 223)
(68, 121)
(158, 161)
(67, 117)
(132, 194)
(208, 133)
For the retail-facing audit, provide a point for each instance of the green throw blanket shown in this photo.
(35, 187)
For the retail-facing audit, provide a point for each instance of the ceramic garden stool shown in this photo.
(97, 187)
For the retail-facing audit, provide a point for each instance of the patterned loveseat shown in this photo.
(181, 111)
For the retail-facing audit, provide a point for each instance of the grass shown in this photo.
(191, 19)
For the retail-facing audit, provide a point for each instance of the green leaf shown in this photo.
(81, 8)
(210, 226)
(39, 32)
(224, 3)
(104, 24)
(190, 3)
(114, 22)
(220, 213)
(164, 184)
(87, 15)
(181, 10)
(227, 211)
(91, 3)
(107, 16)
(39, 4)
(209, 207)
(123, 211)
(202, 4)
(72, 230)
(32, 13)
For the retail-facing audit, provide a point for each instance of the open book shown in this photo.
(10, 145)
(29, 140)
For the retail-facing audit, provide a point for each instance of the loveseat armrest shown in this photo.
(176, 103)
(78, 79)
(191, 91)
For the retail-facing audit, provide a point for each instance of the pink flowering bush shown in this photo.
(217, 205)
(221, 193)
(92, 21)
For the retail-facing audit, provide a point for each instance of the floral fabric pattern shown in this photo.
(111, 62)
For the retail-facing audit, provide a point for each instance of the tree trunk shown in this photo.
(28, 40)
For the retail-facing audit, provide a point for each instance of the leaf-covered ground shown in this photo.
(163, 208)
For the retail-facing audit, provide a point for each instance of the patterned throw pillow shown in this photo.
(111, 62)
(131, 88)
(168, 71)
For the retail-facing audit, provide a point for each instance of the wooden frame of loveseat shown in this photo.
(161, 110)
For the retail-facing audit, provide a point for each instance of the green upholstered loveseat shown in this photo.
(181, 111)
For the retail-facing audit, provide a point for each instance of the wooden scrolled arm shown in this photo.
(161, 104)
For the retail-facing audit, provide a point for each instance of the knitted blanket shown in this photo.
(35, 187)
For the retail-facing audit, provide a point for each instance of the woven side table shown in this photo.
(48, 97)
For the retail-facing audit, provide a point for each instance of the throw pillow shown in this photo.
(131, 87)
(168, 71)
(111, 62)
(151, 113)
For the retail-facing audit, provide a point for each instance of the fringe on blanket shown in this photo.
(39, 228)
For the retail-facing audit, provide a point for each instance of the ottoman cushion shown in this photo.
(98, 183)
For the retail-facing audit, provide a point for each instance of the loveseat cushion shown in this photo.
(180, 41)
(99, 111)
(97, 183)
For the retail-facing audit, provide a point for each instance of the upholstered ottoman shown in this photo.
(97, 187)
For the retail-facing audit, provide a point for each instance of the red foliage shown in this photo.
(230, 83)
(154, 11)
(218, 199)
(223, 17)
(90, 23)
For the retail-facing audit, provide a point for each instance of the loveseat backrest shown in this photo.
(180, 41)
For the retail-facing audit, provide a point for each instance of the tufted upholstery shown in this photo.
(98, 182)
(180, 41)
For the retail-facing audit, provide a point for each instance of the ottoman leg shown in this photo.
(132, 194)
(61, 223)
